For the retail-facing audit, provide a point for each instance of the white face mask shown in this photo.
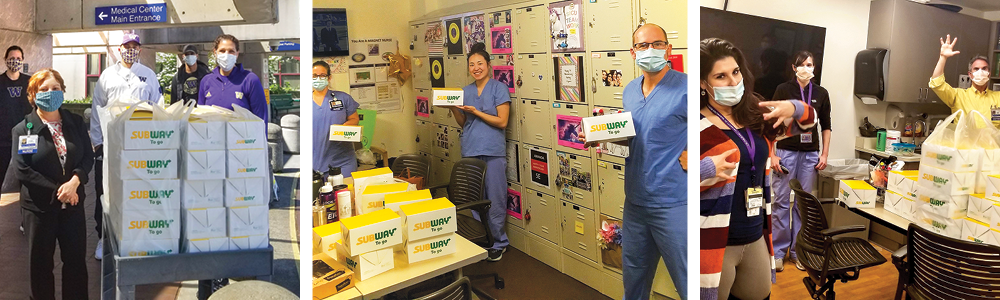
(226, 61)
(804, 73)
(981, 77)
(729, 95)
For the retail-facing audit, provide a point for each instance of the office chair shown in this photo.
(828, 259)
(461, 289)
(465, 190)
(932, 266)
(419, 166)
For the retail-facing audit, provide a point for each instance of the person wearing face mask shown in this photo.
(52, 159)
(125, 82)
(737, 134)
(655, 216)
(331, 108)
(14, 100)
(483, 119)
(229, 84)
(800, 155)
(978, 97)
(187, 81)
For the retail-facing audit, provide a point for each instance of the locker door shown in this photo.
(442, 115)
(578, 186)
(611, 188)
(537, 126)
(610, 65)
(528, 176)
(424, 136)
(430, 158)
(565, 109)
(456, 71)
(608, 24)
(455, 149)
(544, 210)
(421, 72)
(513, 131)
(669, 14)
(510, 219)
(442, 170)
(611, 152)
(443, 141)
(579, 227)
(419, 48)
(534, 72)
(683, 53)
(532, 32)
(513, 162)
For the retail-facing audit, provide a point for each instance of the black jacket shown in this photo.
(41, 174)
(177, 86)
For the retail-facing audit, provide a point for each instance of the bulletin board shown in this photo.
(569, 77)
(565, 19)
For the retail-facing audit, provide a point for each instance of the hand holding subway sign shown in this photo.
(609, 128)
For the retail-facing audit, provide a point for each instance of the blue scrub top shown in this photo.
(653, 174)
(326, 152)
(479, 138)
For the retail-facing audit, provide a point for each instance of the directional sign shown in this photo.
(130, 14)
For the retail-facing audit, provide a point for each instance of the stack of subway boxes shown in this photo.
(143, 185)
(203, 174)
(983, 222)
(246, 183)
(429, 229)
(901, 193)
(946, 179)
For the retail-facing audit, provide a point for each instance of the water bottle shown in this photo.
(329, 203)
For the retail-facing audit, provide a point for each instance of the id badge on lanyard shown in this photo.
(995, 112)
(336, 105)
(755, 200)
(807, 138)
(27, 144)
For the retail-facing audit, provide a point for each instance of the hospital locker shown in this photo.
(544, 211)
(610, 151)
(567, 129)
(442, 115)
(545, 251)
(517, 197)
(582, 269)
(608, 24)
(537, 126)
(683, 54)
(426, 93)
(424, 136)
(417, 45)
(662, 283)
(534, 76)
(619, 68)
(421, 72)
(575, 180)
(445, 138)
(431, 161)
(513, 162)
(513, 131)
(456, 71)
(455, 149)
(669, 14)
(532, 32)
(611, 188)
(441, 170)
(539, 168)
(579, 227)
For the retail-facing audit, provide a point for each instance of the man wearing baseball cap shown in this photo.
(188, 79)
(126, 82)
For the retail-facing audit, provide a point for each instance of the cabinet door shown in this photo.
(575, 182)
(442, 115)
(444, 137)
(544, 210)
(537, 174)
(417, 40)
(611, 188)
(442, 170)
(611, 72)
(608, 24)
(433, 163)
(424, 136)
(455, 149)
(578, 230)
(421, 72)
(513, 131)
(669, 14)
(534, 77)
(537, 126)
(684, 56)
(456, 71)
(518, 192)
(532, 32)
(571, 110)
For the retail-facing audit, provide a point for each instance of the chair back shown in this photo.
(810, 238)
(461, 289)
(468, 181)
(419, 166)
(939, 267)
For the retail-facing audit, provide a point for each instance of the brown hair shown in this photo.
(747, 112)
(36, 80)
(227, 37)
(801, 57)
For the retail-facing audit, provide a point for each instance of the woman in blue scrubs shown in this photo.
(331, 108)
(483, 119)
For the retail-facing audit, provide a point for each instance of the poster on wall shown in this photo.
(500, 20)
(500, 40)
(437, 72)
(372, 50)
(389, 97)
(453, 33)
(569, 85)
(568, 131)
(539, 167)
(434, 37)
(612, 78)
(423, 109)
(564, 21)
(514, 203)
(338, 64)
(362, 76)
(473, 31)
(505, 75)
(513, 172)
(676, 62)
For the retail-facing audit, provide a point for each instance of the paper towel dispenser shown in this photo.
(870, 69)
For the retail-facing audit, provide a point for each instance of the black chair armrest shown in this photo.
(842, 230)
(828, 201)
(480, 205)
(437, 186)
(899, 257)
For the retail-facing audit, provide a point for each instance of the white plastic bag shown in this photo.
(952, 145)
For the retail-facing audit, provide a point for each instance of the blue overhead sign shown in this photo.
(130, 14)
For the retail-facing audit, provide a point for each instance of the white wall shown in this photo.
(73, 70)
(846, 23)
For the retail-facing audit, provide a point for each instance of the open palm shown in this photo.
(948, 46)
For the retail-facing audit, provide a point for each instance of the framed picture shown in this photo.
(330, 36)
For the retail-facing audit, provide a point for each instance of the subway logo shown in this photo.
(935, 179)
(431, 246)
(608, 126)
(932, 201)
(939, 225)
(351, 263)
(246, 142)
(151, 224)
(431, 223)
(376, 236)
(150, 194)
(346, 134)
(149, 164)
(246, 170)
(246, 198)
(846, 195)
(974, 239)
(937, 156)
(448, 98)
(375, 204)
(148, 253)
(155, 134)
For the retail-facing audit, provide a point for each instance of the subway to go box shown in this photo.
(980, 207)
(429, 248)
(330, 276)
(156, 194)
(449, 97)
(393, 201)
(857, 194)
(148, 164)
(898, 204)
(373, 197)
(950, 206)
(368, 264)
(345, 133)
(206, 245)
(203, 223)
(326, 238)
(977, 232)
(992, 191)
(428, 218)
(147, 224)
(203, 193)
(245, 134)
(608, 128)
(146, 134)
(248, 242)
(205, 135)
(946, 182)
(144, 247)
(902, 182)
(372, 231)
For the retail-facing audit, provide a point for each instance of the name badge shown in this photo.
(27, 144)
(995, 112)
(755, 200)
(336, 105)
(806, 138)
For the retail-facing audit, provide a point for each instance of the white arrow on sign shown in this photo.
(102, 15)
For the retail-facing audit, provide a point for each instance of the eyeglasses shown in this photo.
(323, 77)
(660, 45)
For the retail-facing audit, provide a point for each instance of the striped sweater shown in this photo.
(717, 197)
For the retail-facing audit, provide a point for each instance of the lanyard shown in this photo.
(802, 92)
(751, 145)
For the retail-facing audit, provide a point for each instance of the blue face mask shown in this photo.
(49, 101)
(729, 95)
(651, 60)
